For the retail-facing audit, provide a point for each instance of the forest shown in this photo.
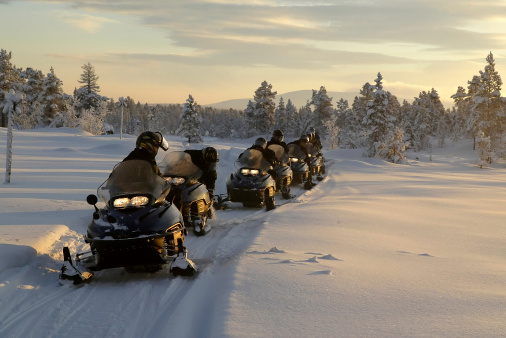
(375, 120)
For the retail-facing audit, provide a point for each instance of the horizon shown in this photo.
(156, 52)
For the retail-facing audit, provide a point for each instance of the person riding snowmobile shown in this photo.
(206, 160)
(315, 139)
(261, 145)
(302, 142)
(278, 138)
(146, 148)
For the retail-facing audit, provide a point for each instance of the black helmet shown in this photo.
(277, 135)
(151, 141)
(304, 138)
(261, 142)
(210, 154)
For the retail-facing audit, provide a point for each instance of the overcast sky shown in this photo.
(160, 51)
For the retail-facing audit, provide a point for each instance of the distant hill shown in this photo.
(299, 98)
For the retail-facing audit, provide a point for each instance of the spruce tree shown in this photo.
(52, 97)
(323, 109)
(190, 121)
(10, 78)
(381, 115)
(87, 95)
(260, 113)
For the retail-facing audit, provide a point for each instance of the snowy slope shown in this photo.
(375, 249)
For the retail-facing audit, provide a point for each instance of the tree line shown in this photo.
(375, 120)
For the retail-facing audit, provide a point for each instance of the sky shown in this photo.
(161, 51)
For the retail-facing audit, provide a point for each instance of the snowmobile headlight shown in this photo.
(294, 159)
(121, 202)
(175, 180)
(245, 171)
(136, 201)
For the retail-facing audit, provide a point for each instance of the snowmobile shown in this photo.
(317, 161)
(283, 170)
(178, 169)
(301, 172)
(138, 229)
(252, 184)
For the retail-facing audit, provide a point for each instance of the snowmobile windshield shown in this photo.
(252, 159)
(281, 155)
(179, 164)
(295, 150)
(134, 177)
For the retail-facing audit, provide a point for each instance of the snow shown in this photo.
(375, 249)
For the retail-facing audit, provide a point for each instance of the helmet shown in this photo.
(210, 154)
(304, 138)
(277, 135)
(309, 136)
(151, 141)
(261, 142)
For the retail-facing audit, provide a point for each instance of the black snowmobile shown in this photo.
(179, 170)
(301, 172)
(317, 161)
(137, 229)
(251, 184)
(283, 170)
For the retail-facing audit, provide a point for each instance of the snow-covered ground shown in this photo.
(374, 250)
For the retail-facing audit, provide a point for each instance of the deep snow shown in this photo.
(375, 249)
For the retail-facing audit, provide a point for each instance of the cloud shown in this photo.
(88, 23)
(196, 24)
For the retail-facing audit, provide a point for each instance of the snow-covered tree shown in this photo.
(291, 115)
(485, 151)
(260, 114)
(302, 120)
(52, 97)
(92, 120)
(10, 78)
(393, 147)
(323, 108)
(190, 121)
(280, 115)
(487, 105)
(381, 114)
(87, 95)
(332, 131)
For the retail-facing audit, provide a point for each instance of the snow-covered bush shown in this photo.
(393, 149)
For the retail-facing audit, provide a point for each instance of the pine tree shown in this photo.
(486, 108)
(356, 128)
(280, 115)
(291, 114)
(381, 114)
(87, 95)
(10, 78)
(323, 109)
(190, 121)
(52, 97)
(260, 114)
(421, 123)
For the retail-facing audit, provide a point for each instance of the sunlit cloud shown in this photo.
(88, 23)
